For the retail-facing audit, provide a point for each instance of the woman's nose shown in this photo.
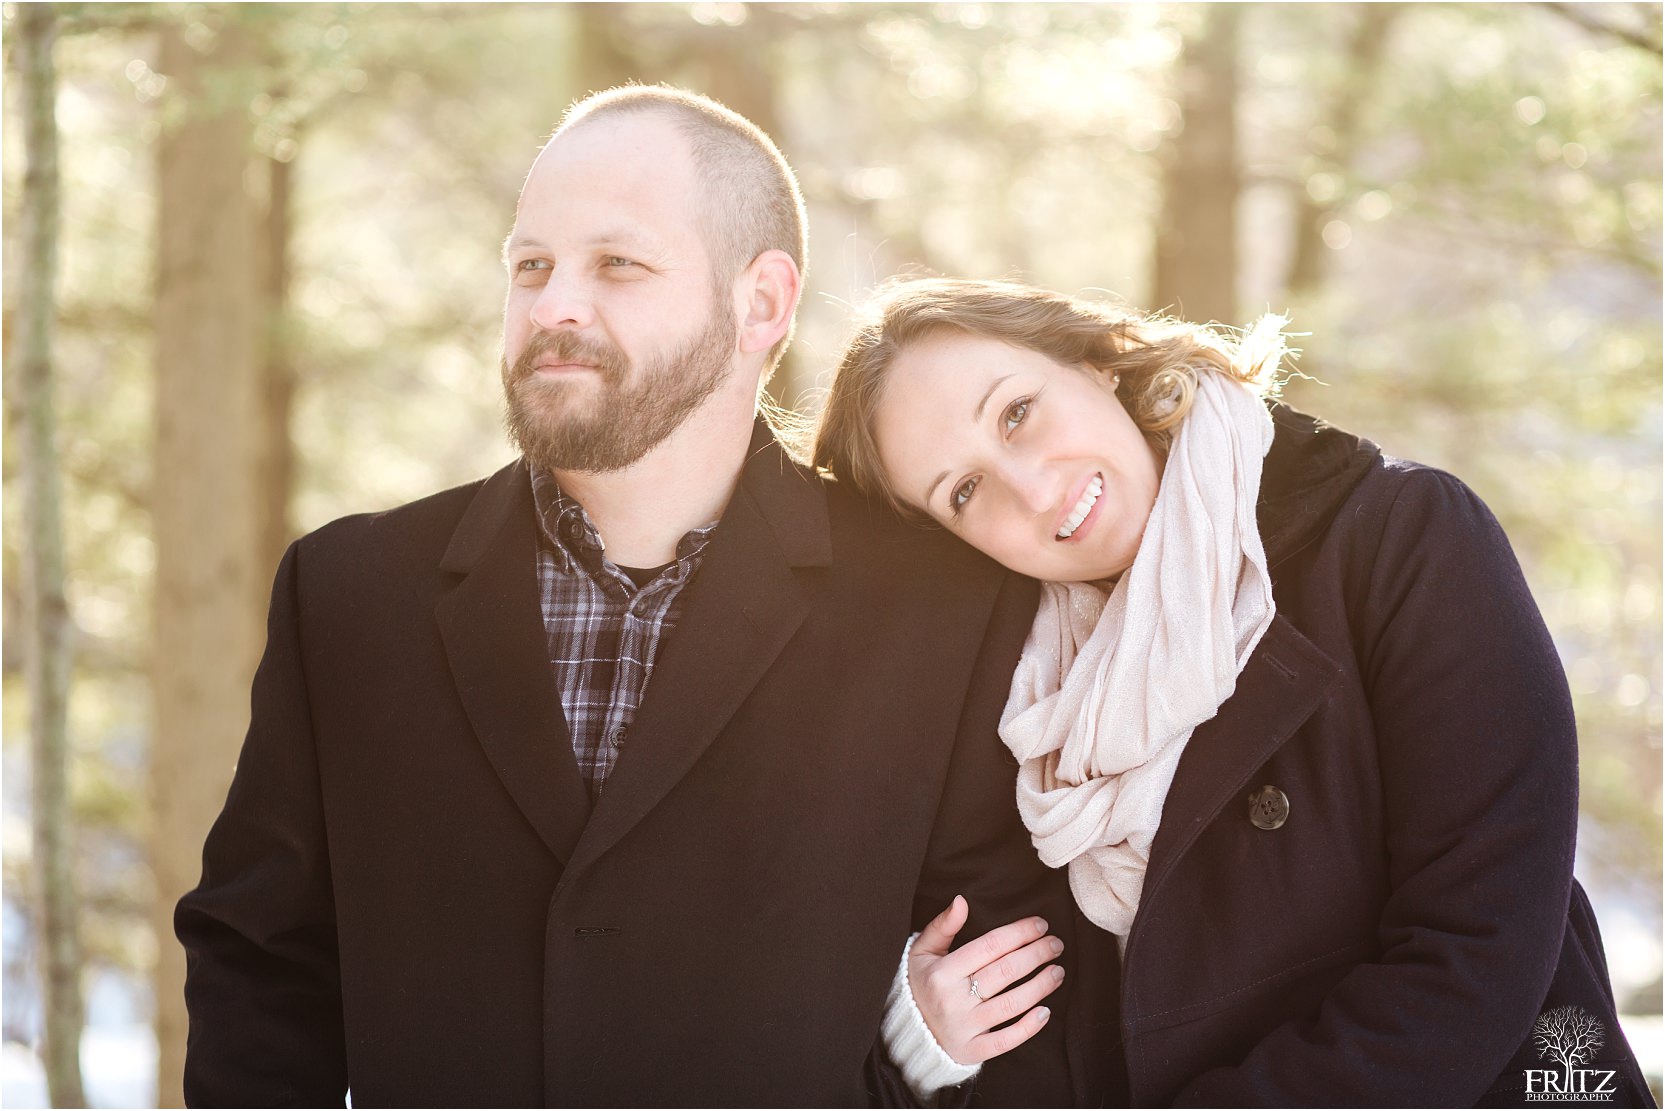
(1034, 484)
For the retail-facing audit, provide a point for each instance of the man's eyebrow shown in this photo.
(932, 488)
(629, 238)
(977, 414)
(515, 242)
(618, 233)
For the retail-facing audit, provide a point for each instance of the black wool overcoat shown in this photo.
(1361, 890)
(409, 892)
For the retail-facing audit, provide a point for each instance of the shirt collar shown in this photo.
(572, 536)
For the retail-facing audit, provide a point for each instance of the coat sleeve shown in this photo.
(980, 849)
(262, 980)
(1478, 762)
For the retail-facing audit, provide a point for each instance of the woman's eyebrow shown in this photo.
(977, 415)
(932, 488)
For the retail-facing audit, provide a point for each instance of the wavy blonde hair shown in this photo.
(1157, 359)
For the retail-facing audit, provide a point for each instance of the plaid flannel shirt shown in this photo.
(604, 632)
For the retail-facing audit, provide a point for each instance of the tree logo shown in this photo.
(1569, 1036)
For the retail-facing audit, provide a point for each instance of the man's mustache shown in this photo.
(567, 347)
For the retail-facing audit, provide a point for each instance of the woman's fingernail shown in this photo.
(1057, 946)
(1044, 1013)
(1057, 973)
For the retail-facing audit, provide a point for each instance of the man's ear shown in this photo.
(767, 292)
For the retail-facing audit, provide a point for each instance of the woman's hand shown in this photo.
(965, 994)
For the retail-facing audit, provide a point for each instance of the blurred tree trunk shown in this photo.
(736, 66)
(1196, 243)
(1364, 56)
(206, 503)
(603, 60)
(56, 921)
(277, 455)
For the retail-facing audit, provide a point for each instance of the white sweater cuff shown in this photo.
(925, 1065)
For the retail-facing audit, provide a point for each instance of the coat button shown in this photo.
(1268, 808)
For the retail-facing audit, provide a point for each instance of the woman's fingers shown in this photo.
(1007, 1038)
(1008, 969)
(938, 934)
(971, 958)
(1015, 1001)
(964, 993)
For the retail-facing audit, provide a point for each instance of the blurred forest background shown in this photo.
(252, 283)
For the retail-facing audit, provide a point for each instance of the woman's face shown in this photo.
(1035, 464)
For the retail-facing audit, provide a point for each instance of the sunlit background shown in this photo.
(279, 244)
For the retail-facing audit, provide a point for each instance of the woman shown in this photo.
(1288, 714)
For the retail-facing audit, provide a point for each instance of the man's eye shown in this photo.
(616, 261)
(1015, 413)
(962, 494)
(527, 265)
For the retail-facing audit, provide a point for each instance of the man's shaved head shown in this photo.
(752, 203)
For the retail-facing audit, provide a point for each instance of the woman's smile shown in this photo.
(1081, 517)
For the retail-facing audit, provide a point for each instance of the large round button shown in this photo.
(1268, 808)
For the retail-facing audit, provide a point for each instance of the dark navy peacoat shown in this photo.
(1361, 890)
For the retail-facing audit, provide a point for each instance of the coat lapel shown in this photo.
(1286, 679)
(742, 607)
(492, 627)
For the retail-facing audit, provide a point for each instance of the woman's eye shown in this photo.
(1016, 412)
(526, 265)
(962, 494)
(616, 261)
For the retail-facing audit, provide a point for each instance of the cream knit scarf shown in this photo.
(1110, 687)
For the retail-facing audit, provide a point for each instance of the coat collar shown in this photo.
(1310, 470)
(492, 626)
(741, 609)
(1286, 679)
(789, 498)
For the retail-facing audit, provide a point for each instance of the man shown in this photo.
(473, 855)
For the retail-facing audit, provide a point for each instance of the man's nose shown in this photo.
(565, 302)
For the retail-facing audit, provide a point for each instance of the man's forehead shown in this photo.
(633, 161)
(646, 136)
(623, 182)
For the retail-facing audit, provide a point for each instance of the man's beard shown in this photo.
(627, 417)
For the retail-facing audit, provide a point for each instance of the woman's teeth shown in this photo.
(1089, 498)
